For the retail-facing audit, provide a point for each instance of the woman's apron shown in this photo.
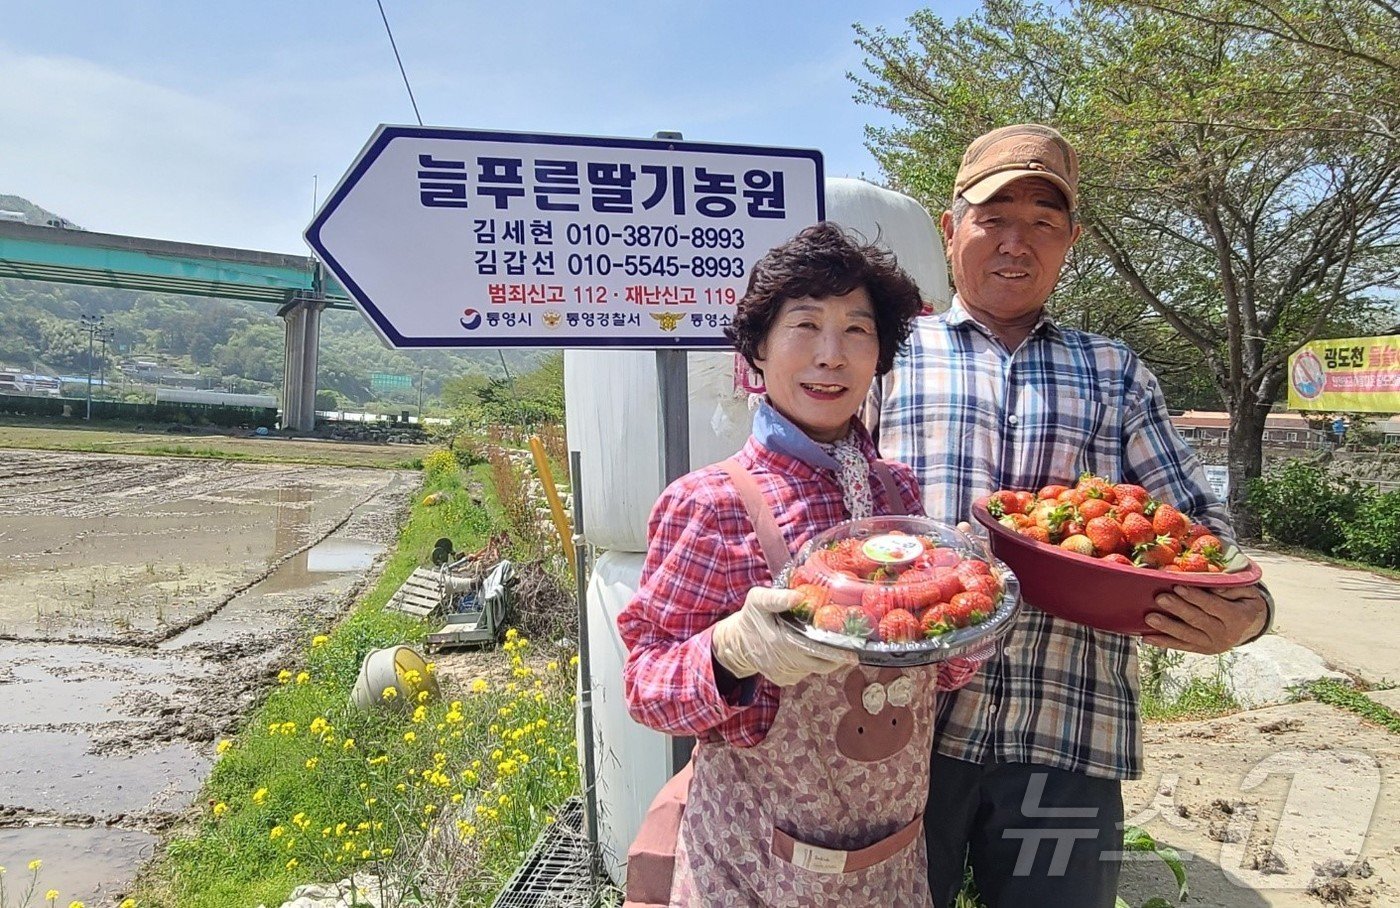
(828, 808)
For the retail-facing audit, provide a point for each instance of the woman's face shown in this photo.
(818, 360)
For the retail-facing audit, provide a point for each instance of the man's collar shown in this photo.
(957, 314)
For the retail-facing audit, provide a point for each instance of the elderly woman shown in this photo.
(810, 771)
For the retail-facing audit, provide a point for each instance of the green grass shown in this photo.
(312, 789)
(1344, 696)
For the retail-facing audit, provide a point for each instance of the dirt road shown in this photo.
(1294, 805)
(145, 604)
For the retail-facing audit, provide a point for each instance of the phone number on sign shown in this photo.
(655, 265)
(654, 236)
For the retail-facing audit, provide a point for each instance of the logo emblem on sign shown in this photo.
(667, 320)
(471, 319)
(551, 319)
(892, 548)
(1309, 376)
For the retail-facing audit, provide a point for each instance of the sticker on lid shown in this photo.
(892, 548)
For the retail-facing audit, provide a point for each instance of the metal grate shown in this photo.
(557, 873)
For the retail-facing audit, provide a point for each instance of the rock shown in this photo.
(1261, 673)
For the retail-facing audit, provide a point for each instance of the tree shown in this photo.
(1240, 187)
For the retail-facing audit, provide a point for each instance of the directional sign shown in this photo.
(460, 238)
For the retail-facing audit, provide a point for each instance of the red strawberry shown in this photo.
(1051, 492)
(1072, 528)
(813, 598)
(830, 617)
(1079, 544)
(1127, 504)
(898, 626)
(1094, 507)
(1096, 487)
(1192, 562)
(945, 557)
(1002, 502)
(985, 584)
(969, 608)
(1024, 502)
(1204, 541)
(1117, 558)
(1137, 530)
(1159, 553)
(1073, 497)
(949, 584)
(1129, 490)
(935, 621)
(1105, 533)
(1168, 521)
(879, 599)
(1197, 529)
(1038, 533)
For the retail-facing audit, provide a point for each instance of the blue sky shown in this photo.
(215, 122)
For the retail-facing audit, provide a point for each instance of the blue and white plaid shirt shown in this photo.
(971, 417)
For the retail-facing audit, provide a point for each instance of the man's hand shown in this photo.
(753, 641)
(1206, 621)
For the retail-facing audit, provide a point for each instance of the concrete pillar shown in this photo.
(310, 359)
(292, 347)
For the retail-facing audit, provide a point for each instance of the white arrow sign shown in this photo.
(460, 238)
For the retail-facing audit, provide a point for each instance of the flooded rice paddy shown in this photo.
(144, 604)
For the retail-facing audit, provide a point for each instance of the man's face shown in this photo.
(1006, 253)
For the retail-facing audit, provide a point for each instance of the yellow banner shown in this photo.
(1346, 374)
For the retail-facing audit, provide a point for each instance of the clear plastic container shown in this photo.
(900, 591)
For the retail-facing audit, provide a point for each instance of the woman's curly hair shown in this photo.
(825, 260)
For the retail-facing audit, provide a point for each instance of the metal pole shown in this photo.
(585, 664)
(90, 322)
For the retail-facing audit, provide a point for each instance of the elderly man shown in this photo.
(1030, 757)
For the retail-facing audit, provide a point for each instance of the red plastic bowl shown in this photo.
(1101, 594)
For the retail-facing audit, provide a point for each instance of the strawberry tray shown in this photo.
(900, 591)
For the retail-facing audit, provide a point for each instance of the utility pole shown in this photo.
(104, 335)
(90, 324)
(422, 370)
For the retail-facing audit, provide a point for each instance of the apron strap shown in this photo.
(893, 500)
(770, 538)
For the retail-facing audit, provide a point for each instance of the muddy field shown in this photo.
(144, 603)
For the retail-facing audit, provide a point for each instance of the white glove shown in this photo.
(753, 641)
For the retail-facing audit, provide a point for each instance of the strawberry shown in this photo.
(935, 621)
(846, 555)
(1002, 502)
(1072, 528)
(898, 626)
(945, 557)
(1073, 497)
(971, 567)
(1079, 544)
(969, 608)
(1192, 562)
(1137, 530)
(917, 589)
(879, 599)
(858, 623)
(1117, 558)
(813, 598)
(1168, 521)
(1038, 533)
(1096, 487)
(1129, 490)
(1204, 541)
(1127, 504)
(830, 617)
(949, 584)
(985, 584)
(1024, 502)
(1198, 529)
(1106, 534)
(1051, 515)
(1159, 553)
(1094, 507)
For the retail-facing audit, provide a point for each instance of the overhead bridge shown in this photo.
(297, 285)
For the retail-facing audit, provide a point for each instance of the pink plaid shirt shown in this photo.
(702, 559)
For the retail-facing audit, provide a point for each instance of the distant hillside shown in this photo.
(33, 214)
(233, 345)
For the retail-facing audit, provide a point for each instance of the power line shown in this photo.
(395, 46)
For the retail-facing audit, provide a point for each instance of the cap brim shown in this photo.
(978, 193)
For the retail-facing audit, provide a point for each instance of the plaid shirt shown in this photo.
(702, 559)
(971, 418)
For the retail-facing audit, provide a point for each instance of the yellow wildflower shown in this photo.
(319, 640)
(276, 832)
(303, 677)
(223, 746)
(410, 737)
(311, 762)
(552, 666)
(127, 903)
(260, 796)
(349, 744)
(479, 686)
(35, 865)
(220, 809)
(76, 904)
(390, 692)
(284, 676)
(51, 895)
(292, 864)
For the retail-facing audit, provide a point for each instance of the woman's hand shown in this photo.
(753, 641)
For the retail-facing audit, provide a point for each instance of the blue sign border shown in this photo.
(386, 134)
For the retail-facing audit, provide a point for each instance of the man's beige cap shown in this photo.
(1012, 153)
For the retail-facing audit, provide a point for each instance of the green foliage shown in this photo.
(1344, 696)
(1302, 505)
